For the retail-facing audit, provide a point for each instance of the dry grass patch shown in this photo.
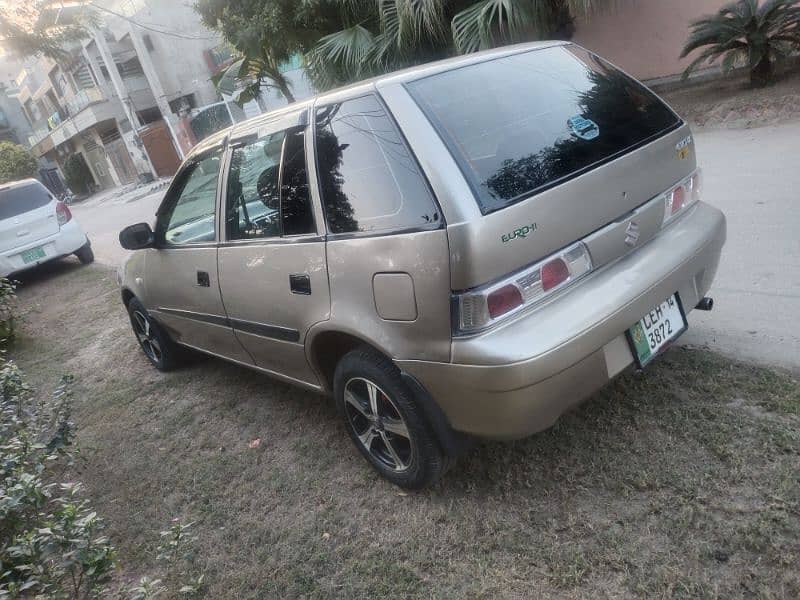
(680, 482)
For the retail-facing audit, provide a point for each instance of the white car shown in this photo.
(35, 228)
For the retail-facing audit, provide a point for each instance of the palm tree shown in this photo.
(746, 32)
(347, 40)
(381, 35)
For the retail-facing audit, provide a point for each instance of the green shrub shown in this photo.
(76, 172)
(15, 162)
(7, 297)
(51, 540)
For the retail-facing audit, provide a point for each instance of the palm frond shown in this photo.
(474, 27)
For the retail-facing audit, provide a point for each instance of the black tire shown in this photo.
(413, 461)
(160, 350)
(85, 253)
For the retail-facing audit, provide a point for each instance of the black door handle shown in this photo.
(203, 279)
(300, 284)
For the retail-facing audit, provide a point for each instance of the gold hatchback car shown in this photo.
(463, 249)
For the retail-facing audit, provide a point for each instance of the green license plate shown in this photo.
(656, 331)
(33, 254)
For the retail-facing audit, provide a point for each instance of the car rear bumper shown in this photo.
(69, 238)
(519, 378)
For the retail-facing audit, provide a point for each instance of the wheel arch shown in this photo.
(327, 347)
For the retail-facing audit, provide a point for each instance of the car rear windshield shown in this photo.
(22, 198)
(520, 124)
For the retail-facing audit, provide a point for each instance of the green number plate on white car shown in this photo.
(657, 330)
(33, 254)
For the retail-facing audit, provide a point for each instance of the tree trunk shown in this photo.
(283, 86)
(761, 72)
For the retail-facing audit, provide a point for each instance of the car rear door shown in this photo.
(181, 283)
(27, 214)
(272, 267)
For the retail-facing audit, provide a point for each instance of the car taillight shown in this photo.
(481, 308)
(504, 300)
(683, 195)
(63, 213)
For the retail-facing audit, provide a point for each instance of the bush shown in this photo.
(7, 296)
(76, 172)
(51, 541)
(15, 162)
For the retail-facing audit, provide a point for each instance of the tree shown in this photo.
(746, 32)
(15, 162)
(76, 172)
(347, 40)
(24, 33)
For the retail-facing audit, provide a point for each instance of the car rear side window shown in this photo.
(522, 123)
(369, 180)
(23, 198)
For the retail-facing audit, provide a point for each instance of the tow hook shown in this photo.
(705, 304)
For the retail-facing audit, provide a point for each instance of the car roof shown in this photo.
(20, 183)
(360, 87)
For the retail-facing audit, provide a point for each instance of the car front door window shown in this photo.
(189, 217)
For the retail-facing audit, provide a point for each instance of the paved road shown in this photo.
(752, 175)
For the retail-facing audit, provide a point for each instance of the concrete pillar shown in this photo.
(124, 98)
(154, 81)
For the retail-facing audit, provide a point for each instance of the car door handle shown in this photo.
(203, 280)
(300, 283)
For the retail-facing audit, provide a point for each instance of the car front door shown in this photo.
(272, 267)
(181, 284)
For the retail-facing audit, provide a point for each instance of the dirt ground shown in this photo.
(732, 103)
(682, 482)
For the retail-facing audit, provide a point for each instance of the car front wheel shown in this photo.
(385, 421)
(154, 342)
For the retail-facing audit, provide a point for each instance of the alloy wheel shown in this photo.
(378, 424)
(146, 336)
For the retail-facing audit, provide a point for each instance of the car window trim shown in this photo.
(440, 224)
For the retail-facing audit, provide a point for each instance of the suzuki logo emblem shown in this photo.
(632, 234)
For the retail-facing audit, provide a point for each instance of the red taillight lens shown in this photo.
(63, 213)
(678, 199)
(505, 299)
(554, 273)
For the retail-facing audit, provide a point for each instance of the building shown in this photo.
(120, 99)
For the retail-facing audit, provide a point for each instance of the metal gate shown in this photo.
(158, 144)
(118, 155)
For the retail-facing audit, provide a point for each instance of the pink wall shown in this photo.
(644, 37)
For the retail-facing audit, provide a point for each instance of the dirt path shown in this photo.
(682, 482)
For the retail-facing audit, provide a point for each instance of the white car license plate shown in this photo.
(657, 330)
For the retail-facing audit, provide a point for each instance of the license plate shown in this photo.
(657, 330)
(33, 254)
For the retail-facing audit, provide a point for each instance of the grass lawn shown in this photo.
(680, 482)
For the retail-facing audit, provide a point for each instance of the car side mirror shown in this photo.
(136, 237)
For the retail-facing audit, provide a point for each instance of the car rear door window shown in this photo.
(267, 192)
(188, 216)
(23, 198)
(369, 180)
(525, 122)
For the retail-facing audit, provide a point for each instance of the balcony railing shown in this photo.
(69, 109)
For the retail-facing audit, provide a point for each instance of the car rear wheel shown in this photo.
(85, 253)
(385, 421)
(153, 340)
